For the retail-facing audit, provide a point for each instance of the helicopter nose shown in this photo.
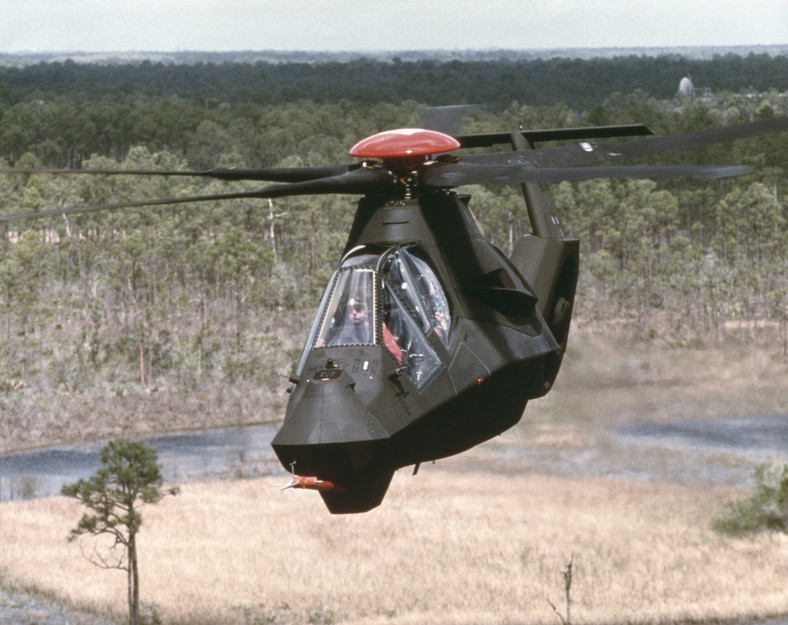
(327, 431)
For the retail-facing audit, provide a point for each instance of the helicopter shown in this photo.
(428, 339)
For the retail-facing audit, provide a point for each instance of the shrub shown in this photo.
(765, 510)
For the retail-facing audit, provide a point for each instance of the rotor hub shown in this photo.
(404, 148)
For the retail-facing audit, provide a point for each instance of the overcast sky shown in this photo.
(225, 25)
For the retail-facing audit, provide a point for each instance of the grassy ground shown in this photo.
(606, 384)
(479, 538)
(443, 548)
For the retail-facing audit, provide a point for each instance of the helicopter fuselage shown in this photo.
(361, 409)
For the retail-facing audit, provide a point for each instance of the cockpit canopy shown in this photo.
(390, 298)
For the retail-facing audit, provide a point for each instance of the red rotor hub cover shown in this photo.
(404, 145)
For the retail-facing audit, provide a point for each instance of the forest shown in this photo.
(191, 296)
(579, 83)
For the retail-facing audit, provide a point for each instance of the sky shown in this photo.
(370, 25)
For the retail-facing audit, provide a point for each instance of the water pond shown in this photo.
(721, 451)
(183, 456)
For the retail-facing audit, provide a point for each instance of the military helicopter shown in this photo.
(429, 340)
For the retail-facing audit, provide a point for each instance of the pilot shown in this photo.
(356, 327)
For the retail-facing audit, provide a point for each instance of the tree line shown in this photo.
(109, 108)
(66, 112)
(218, 291)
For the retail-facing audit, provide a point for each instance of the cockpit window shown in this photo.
(414, 305)
(416, 286)
(350, 315)
(393, 299)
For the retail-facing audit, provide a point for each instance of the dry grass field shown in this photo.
(479, 538)
(442, 549)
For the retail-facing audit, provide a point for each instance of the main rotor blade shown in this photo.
(693, 140)
(357, 181)
(487, 139)
(274, 174)
(462, 173)
(76, 210)
(584, 153)
(594, 152)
